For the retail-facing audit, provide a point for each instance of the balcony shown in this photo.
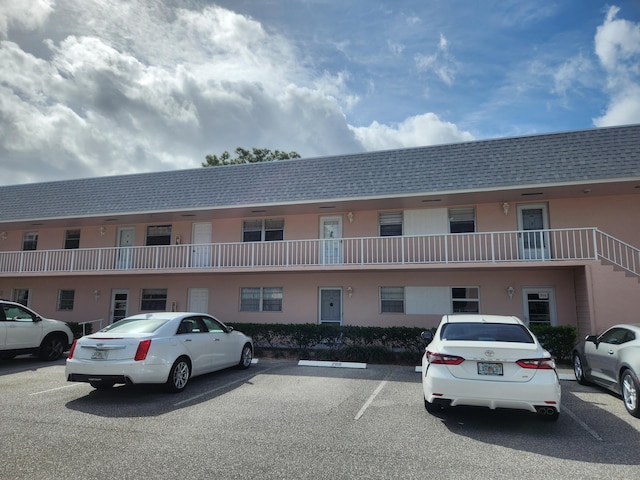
(562, 245)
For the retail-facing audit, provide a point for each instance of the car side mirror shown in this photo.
(591, 338)
(229, 329)
(427, 336)
(37, 318)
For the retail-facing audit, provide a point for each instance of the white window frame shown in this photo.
(390, 219)
(467, 299)
(265, 295)
(386, 295)
(264, 228)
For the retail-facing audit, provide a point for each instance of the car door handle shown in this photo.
(216, 339)
(187, 339)
(610, 352)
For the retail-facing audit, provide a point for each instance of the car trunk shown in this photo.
(493, 361)
(104, 347)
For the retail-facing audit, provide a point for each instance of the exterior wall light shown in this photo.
(510, 292)
(350, 291)
(3, 235)
(350, 217)
(505, 208)
(96, 295)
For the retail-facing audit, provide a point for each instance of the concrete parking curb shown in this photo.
(314, 363)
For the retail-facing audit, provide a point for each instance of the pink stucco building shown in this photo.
(545, 227)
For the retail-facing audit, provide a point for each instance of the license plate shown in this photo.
(487, 368)
(99, 355)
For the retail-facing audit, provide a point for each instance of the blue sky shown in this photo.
(107, 87)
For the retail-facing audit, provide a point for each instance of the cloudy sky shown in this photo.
(108, 87)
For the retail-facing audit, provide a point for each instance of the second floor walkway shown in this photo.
(561, 245)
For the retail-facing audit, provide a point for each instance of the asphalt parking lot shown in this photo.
(279, 420)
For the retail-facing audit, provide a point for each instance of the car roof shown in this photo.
(632, 326)
(165, 315)
(481, 318)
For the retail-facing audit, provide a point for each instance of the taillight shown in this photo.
(537, 363)
(73, 347)
(439, 358)
(143, 349)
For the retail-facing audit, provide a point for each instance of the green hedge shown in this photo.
(336, 343)
(399, 345)
(559, 341)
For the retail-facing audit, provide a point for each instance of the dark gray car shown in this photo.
(612, 360)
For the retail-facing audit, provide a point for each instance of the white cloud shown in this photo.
(27, 14)
(441, 62)
(617, 45)
(623, 109)
(124, 86)
(576, 71)
(419, 130)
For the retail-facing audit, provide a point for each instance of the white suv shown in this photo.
(24, 331)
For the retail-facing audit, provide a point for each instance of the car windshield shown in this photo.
(486, 332)
(136, 325)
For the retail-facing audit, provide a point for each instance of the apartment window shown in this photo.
(158, 235)
(390, 224)
(465, 299)
(65, 299)
(21, 295)
(72, 239)
(154, 299)
(462, 220)
(269, 230)
(30, 241)
(392, 299)
(268, 299)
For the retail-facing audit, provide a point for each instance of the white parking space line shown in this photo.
(589, 430)
(54, 389)
(370, 399)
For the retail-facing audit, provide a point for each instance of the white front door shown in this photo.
(533, 223)
(331, 240)
(201, 251)
(539, 306)
(125, 247)
(119, 304)
(331, 305)
(199, 300)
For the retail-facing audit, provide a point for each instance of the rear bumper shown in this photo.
(78, 377)
(129, 372)
(543, 390)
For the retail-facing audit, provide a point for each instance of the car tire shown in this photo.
(245, 357)
(52, 347)
(578, 369)
(630, 389)
(431, 407)
(179, 375)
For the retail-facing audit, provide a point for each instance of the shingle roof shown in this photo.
(558, 158)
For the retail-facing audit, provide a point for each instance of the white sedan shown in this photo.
(163, 348)
(488, 361)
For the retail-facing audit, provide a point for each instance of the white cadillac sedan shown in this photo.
(163, 348)
(488, 361)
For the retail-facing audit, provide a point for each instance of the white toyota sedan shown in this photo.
(163, 348)
(488, 361)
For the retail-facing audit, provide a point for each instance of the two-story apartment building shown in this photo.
(545, 227)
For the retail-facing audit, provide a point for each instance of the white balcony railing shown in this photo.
(487, 247)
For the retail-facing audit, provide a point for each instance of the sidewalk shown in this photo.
(566, 373)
